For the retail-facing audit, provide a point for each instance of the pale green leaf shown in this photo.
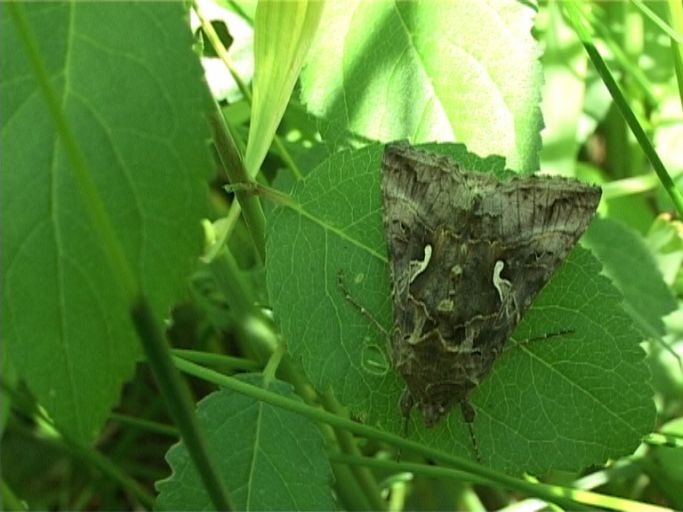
(131, 91)
(270, 459)
(454, 70)
(283, 33)
(563, 402)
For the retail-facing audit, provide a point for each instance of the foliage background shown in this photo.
(507, 79)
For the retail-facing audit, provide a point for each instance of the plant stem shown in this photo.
(363, 476)
(145, 425)
(178, 400)
(221, 51)
(198, 356)
(234, 168)
(586, 498)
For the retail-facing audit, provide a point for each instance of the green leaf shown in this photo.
(271, 459)
(565, 402)
(632, 267)
(283, 33)
(131, 92)
(430, 71)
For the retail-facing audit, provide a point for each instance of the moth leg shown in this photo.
(468, 415)
(406, 403)
(542, 337)
(357, 305)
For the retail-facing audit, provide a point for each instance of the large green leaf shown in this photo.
(565, 402)
(271, 459)
(130, 90)
(455, 70)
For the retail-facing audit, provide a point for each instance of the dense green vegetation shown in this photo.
(182, 185)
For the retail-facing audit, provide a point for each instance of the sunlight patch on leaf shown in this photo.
(422, 71)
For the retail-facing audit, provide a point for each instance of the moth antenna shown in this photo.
(357, 305)
(542, 337)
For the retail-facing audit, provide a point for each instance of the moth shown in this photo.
(468, 254)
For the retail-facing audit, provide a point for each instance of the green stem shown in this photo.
(674, 33)
(145, 425)
(234, 168)
(554, 494)
(580, 499)
(363, 476)
(107, 467)
(177, 397)
(220, 360)
(273, 364)
(626, 63)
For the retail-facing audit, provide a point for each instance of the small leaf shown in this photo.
(270, 459)
(632, 267)
(132, 94)
(429, 71)
(546, 404)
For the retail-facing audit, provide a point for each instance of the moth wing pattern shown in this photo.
(468, 254)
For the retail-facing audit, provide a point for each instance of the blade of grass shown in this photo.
(583, 30)
(676, 13)
(672, 33)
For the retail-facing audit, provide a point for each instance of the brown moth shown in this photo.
(468, 254)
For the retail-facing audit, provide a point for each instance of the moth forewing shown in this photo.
(468, 253)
